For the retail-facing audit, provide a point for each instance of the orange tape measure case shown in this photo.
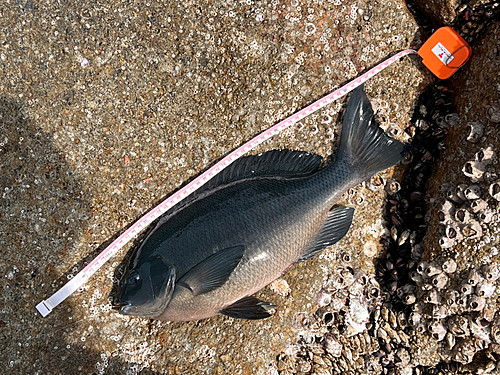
(444, 52)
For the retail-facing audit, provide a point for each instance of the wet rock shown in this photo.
(109, 107)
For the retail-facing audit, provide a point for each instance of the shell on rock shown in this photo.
(476, 303)
(449, 266)
(478, 205)
(474, 170)
(437, 329)
(459, 326)
(475, 129)
(440, 280)
(491, 272)
(494, 190)
(473, 192)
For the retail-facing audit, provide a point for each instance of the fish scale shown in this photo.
(213, 251)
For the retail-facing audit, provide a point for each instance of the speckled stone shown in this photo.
(106, 108)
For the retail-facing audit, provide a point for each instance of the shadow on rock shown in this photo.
(43, 211)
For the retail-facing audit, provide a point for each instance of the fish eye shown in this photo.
(134, 278)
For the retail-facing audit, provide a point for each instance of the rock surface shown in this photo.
(468, 17)
(463, 212)
(107, 108)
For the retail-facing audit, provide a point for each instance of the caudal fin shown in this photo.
(363, 144)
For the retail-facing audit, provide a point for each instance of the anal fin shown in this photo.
(248, 308)
(334, 228)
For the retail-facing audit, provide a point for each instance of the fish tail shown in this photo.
(364, 146)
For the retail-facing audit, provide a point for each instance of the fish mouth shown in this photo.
(156, 307)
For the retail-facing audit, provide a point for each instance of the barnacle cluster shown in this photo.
(468, 208)
(350, 330)
(472, 17)
(452, 307)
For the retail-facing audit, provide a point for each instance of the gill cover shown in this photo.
(147, 289)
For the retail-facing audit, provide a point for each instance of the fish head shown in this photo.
(147, 288)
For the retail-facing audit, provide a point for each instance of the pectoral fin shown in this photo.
(214, 271)
(334, 228)
(248, 308)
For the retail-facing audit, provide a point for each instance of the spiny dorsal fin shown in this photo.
(285, 163)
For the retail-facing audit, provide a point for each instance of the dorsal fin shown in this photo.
(285, 163)
(271, 163)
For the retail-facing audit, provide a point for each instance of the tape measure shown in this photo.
(446, 40)
(444, 52)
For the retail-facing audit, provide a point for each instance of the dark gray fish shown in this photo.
(262, 214)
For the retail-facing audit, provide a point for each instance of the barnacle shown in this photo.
(376, 183)
(460, 191)
(452, 195)
(476, 129)
(476, 303)
(485, 155)
(437, 329)
(446, 242)
(494, 190)
(440, 280)
(449, 266)
(453, 232)
(491, 272)
(439, 311)
(478, 205)
(422, 267)
(462, 215)
(466, 288)
(451, 297)
(472, 229)
(473, 192)
(433, 297)
(409, 299)
(414, 319)
(324, 298)
(392, 186)
(416, 277)
(447, 212)
(486, 215)
(474, 170)
(331, 345)
(465, 350)
(433, 269)
(473, 277)
(485, 289)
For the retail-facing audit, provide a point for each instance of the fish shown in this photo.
(243, 229)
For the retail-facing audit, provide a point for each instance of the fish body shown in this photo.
(260, 216)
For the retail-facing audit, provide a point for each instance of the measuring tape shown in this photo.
(46, 306)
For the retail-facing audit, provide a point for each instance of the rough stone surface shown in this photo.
(478, 85)
(468, 17)
(439, 11)
(106, 108)
(477, 239)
